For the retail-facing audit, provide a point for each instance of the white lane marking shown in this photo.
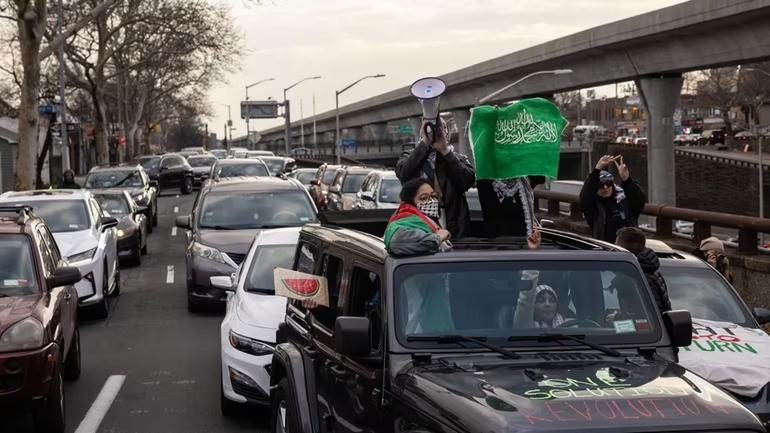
(95, 415)
(173, 231)
(170, 274)
(176, 209)
(184, 382)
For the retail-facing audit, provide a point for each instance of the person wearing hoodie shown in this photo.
(415, 228)
(608, 207)
(69, 181)
(633, 239)
(712, 250)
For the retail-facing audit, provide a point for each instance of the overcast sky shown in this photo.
(343, 40)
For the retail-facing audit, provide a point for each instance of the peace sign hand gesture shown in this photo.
(604, 161)
(622, 168)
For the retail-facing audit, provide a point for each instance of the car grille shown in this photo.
(248, 392)
(237, 258)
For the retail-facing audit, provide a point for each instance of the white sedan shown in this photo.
(253, 313)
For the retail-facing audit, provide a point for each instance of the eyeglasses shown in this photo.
(429, 196)
(606, 185)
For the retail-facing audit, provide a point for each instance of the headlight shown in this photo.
(85, 255)
(247, 345)
(126, 232)
(26, 335)
(207, 252)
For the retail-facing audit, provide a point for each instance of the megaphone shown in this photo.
(428, 91)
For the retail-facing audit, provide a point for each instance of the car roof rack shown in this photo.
(24, 212)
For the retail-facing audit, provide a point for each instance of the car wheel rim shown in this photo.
(61, 395)
(281, 421)
(77, 348)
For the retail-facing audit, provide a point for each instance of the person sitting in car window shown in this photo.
(414, 228)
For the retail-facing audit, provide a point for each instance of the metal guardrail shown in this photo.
(748, 227)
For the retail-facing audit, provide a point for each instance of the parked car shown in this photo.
(225, 218)
(240, 150)
(247, 334)
(39, 333)
(258, 153)
(219, 153)
(86, 238)
(225, 168)
(345, 186)
(279, 165)
(428, 341)
(201, 165)
(380, 190)
(132, 222)
(135, 180)
(170, 170)
(304, 176)
(320, 184)
(196, 150)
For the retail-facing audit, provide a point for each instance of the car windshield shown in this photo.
(274, 165)
(352, 183)
(114, 179)
(17, 269)
(149, 163)
(202, 162)
(114, 204)
(219, 153)
(390, 191)
(254, 210)
(60, 215)
(266, 259)
(482, 299)
(304, 177)
(473, 200)
(705, 294)
(235, 170)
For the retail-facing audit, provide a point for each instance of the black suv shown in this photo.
(456, 341)
(171, 170)
(131, 177)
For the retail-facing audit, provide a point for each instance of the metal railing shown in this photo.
(748, 227)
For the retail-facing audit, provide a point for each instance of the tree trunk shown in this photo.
(29, 41)
(100, 127)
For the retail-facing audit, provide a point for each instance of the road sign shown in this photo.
(70, 127)
(348, 142)
(46, 109)
(404, 129)
(259, 109)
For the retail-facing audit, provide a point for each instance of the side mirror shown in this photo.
(334, 189)
(351, 336)
(64, 276)
(367, 195)
(109, 222)
(762, 315)
(678, 324)
(154, 183)
(183, 222)
(142, 209)
(314, 182)
(223, 282)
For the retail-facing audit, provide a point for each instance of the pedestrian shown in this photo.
(608, 207)
(450, 175)
(414, 228)
(69, 181)
(712, 250)
(634, 240)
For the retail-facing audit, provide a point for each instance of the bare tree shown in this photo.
(755, 90)
(719, 88)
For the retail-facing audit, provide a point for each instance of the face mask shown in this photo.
(429, 208)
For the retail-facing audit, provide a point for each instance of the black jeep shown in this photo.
(463, 341)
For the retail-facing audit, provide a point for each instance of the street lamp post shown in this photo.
(287, 114)
(229, 124)
(337, 102)
(248, 109)
(493, 95)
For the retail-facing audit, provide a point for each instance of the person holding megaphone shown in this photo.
(449, 173)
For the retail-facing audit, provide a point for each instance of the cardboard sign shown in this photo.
(728, 355)
(298, 285)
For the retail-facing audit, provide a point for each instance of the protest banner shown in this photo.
(299, 285)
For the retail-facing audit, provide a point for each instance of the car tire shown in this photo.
(116, 290)
(48, 415)
(103, 308)
(137, 259)
(72, 363)
(154, 214)
(187, 188)
(192, 304)
(282, 405)
(228, 407)
(144, 248)
(149, 225)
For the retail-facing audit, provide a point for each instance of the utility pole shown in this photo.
(301, 125)
(206, 137)
(315, 138)
(227, 143)
(62, 100)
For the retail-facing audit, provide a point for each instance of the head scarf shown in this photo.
(447, 134)
(712, 243)
(606, 176)
(557, 318)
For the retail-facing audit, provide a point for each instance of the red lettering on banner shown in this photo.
(727, 338)
(715, 409)
(621, 411)
(531, 415)
(586, 415)
(652, 402)
(646, 412)
(609, 408)
(556, 412)
(675, 407)
(694, 409)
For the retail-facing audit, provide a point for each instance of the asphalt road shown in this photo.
(169, 357)
(729, 154)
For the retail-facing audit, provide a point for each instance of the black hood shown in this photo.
(648, 260)
(494, 395)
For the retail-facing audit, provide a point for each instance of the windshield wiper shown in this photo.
(125, 179)
(481, 341)
(561, 337)
(218, 227)
(258, 290)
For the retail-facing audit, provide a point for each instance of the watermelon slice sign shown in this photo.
(305, 287)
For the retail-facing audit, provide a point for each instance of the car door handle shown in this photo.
(338, 372)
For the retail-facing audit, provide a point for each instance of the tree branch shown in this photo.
(66, 34)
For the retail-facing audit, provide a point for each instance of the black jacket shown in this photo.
(650, 264)
(506, 217)
(69, 185)
(455, 176)
(593, 208)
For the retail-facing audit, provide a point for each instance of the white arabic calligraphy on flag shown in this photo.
(524, 129)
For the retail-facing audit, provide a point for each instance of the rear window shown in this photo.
(353, 183)
(149, 163)
(235, 170)
(114, 204)
(305, 177)
(390, 191)
(114, 179)
(328, 176)
(17, 266)
(201, 162)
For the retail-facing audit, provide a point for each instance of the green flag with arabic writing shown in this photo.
(523, 139)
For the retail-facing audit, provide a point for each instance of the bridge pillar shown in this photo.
(416, 123)
(379, 131)
(463, 140)
(661, 95)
